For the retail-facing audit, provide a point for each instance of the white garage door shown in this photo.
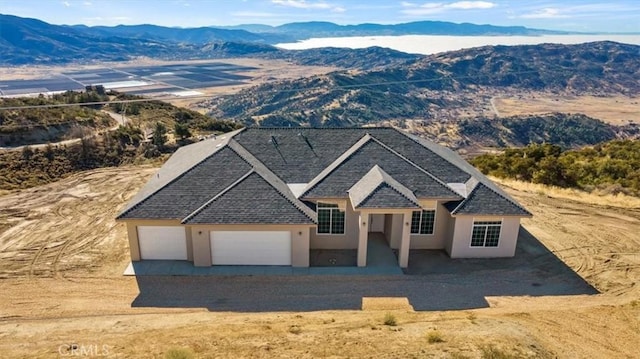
(162, 242)
(250, 248)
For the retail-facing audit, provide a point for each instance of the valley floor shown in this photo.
(62, 257)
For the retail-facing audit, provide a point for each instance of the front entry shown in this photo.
(376, 223)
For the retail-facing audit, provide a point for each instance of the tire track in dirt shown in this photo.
(67, 225)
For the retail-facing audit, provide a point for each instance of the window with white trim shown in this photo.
(330, 219)
(486, 233)
(423, 222)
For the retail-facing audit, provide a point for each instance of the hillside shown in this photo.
(612, 166)
(432, 86)
(41, 125)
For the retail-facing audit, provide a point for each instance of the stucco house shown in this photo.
(267, 196)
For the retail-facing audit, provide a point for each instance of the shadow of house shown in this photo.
(433, 281)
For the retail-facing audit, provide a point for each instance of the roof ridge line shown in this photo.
(415, 165)
(219, 148)
(383, 173)
(466, 199)
(261, 169)
(208, 203)
(336, 163)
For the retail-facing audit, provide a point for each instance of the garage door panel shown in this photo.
(162, 242)
(250, 248)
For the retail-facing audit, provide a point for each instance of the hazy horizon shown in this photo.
(621, 16)
(431, 44)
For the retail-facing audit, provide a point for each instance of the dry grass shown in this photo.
(595, 198)
(616, 110)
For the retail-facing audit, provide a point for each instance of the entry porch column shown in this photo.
(363, 237)
(405, 241)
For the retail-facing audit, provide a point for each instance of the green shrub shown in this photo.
(390, 320)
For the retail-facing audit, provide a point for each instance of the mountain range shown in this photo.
(436, 84)
(31, 41)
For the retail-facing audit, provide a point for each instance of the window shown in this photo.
(422, 222)
(486, 233)
(330, 219)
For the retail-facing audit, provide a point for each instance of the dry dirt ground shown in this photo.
(63, 293)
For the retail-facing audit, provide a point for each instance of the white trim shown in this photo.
(344, 227)
(435, 218)
(486, 219)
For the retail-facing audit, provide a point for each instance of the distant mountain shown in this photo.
(30, 41)
(198, 36)
(305, 30)
(436, 83)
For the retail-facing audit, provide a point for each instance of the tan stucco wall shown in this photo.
(439, 237)
(461, 246)
(348, 240)
(199, 244)
(132, 234)
(299, 241)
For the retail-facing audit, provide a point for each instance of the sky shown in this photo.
(586, 16)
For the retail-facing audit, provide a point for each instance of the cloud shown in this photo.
(546, 13)
(302, 4)
(66, 3)
(468, 5)
(438, 7)
(87, 3)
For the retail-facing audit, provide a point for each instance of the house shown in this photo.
(267, 196)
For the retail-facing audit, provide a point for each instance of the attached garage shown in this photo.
(162, 242)
(250, 247)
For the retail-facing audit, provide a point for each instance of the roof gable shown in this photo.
(180, 163)
(377, 189)
(252, 200)
(484, 201)
(192, 188)
(346, 171)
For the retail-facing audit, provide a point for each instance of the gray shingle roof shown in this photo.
(371, 153)
(178, 164)
(251, 201)
(377, 189)
(484, 201)
(202, 182)
(190, 190)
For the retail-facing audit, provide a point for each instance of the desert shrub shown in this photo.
(179, 353)
(390, 320)
(434, 336)
(294, 329)
(491, 352)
